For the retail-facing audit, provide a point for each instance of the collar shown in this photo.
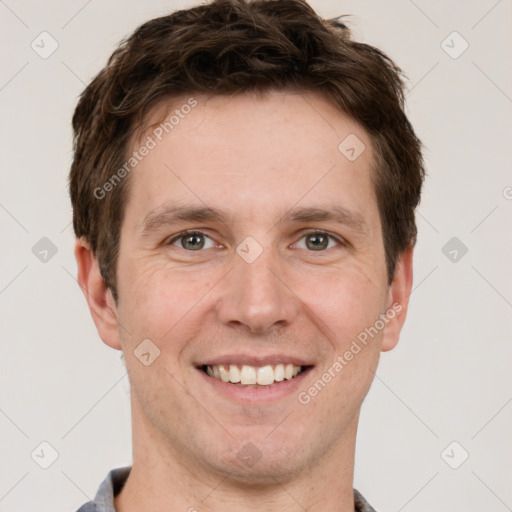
(115, 480)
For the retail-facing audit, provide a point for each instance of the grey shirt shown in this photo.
(112, 485)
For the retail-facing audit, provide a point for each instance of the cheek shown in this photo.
(346, 306)
(159, 299)
(345, 303)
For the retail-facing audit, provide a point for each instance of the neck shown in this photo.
(162, 479)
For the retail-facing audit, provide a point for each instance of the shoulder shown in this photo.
(109, 488)
(360, 504)
(88, 507)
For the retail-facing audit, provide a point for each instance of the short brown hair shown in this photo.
(230, 47)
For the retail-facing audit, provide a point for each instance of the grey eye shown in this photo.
(317, 241)
(193, 241)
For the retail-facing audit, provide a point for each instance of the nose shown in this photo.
(256, 296)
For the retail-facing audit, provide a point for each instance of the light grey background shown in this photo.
(448, 380)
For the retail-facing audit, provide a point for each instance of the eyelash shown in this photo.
(184, 234)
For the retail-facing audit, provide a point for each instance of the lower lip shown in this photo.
(245, 394)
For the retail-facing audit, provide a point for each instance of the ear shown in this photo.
(99, 297)
(398, 300)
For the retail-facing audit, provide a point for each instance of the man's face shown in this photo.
(291, 272)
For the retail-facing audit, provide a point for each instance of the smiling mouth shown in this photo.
(254, 376)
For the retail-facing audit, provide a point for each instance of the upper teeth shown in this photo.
(247, 375)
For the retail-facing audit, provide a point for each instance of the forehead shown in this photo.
(252, 153)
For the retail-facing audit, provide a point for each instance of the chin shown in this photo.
(260, 463)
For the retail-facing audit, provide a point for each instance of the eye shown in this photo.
(192, 241)
(318, 241)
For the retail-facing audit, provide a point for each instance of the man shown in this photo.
(244, 185)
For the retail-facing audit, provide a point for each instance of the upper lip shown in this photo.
(251, 360)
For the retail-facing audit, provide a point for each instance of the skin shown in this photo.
(256, 157)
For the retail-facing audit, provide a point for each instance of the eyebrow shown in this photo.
(171, 215)
(336, 214)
